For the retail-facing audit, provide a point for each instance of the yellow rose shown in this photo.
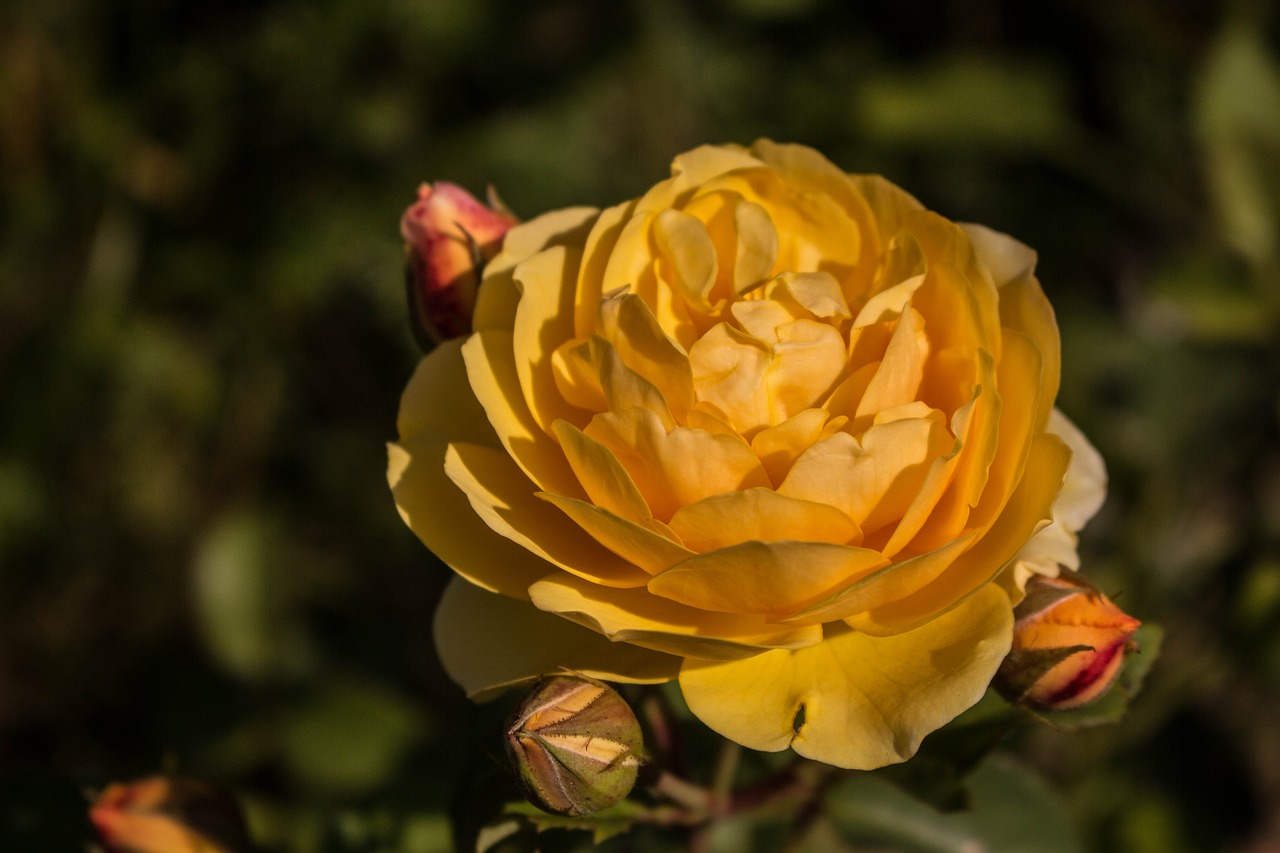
(771, 429)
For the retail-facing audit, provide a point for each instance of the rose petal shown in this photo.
(688, 255)
(641, 544)
(760, 514)
(677, 468)
(875, 482)
(865, 701)
(636, 616)
(778, 447)
(757, 246)
(437, 407)
(1030, 507)
(544, 318)
(882, 586)
(483, 643)
(627, 323)
(729, 372)
(446, 524)
(607, 483)
(502, 498)
(1085, 488)
(897, 380)
(773, 578)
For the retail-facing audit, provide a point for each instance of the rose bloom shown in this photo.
(771, 429)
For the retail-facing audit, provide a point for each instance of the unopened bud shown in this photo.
(449, 236)
(169, 814)
(1069, 642)
(576, 745)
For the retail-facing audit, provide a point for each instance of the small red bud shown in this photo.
(449, 236)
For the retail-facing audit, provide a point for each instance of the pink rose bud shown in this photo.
(1069, 642)
(449, 236)
(168, 814)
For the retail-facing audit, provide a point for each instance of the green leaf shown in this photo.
(350, 736)
(1237, 116)
(245, 615)
(1012, 811)
(936, 774)
(602, 825)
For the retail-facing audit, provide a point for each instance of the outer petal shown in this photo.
(635, 616)
(501, 497)
(1085, 488)
(437, 408)
(1083, 491)
(866, 701)
(484, 643)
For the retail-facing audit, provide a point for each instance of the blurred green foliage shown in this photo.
(202, 345)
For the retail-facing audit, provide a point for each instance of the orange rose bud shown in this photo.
(169, 814)
(1069, 642)
(449, 236)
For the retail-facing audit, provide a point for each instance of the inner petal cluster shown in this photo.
(752, 372)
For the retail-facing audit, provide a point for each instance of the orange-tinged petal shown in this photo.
(1018, 376)
(873, 481)
(763, 515)
(756, 250)
(636, 616)
(778, 447)
(628, 324)
(729, 372)
(596, 254)
(492, 373)
(607, 483)
(677, 468)
(817, 292)
(592, 375)
(805, 365)
(897, 380)
(688, 253)
(650, 546)
(888, 303)
(882, 586)
(935, 483)
(771, 578)
(502, 498)
(1030, 507)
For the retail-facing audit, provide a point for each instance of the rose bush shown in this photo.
(771, 429)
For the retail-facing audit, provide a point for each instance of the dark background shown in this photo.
(202, 346)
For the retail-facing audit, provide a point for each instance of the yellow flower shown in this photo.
(771, 429)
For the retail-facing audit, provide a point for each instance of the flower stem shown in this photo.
(725, 772)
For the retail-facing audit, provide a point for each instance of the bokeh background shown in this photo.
(203, 341)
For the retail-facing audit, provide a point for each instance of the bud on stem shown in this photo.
(449, 236)
(1069, 642)
(575, 744)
